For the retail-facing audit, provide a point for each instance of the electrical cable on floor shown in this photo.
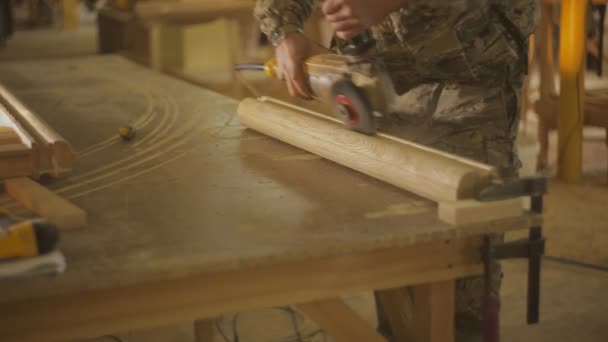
(114, 337)
(573, 262)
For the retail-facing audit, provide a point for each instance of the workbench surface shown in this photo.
(195, 192)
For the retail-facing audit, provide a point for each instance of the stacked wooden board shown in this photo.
(15, 153)
(31, 148)
(28, 146)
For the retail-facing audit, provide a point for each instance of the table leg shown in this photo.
(434, 312)
(155, 47)
(384, 326)
(203, 330)
(70, 14)
(397, 306)
(340, 321)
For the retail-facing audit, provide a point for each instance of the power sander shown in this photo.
(355, 85)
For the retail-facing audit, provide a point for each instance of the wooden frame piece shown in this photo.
(44, 202)
(434, 307)
(473, 211)
(208, 295)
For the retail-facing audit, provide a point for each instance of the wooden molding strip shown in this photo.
(51, 152)
(424, 171)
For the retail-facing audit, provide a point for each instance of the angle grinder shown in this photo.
(355, 85)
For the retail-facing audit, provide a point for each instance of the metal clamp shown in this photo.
(531, 248)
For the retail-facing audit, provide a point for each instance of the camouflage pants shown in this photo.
(487, 136)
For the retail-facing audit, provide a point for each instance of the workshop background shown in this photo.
(200, 41)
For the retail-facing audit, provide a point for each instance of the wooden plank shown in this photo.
(208, 295)
(472, 211)
(340, 321)
(424, 171)
(45, 203)
(434, 312)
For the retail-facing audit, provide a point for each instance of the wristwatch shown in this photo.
(277, 35)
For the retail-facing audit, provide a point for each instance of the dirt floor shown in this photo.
(574, 300)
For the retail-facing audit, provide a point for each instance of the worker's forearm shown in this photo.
(273, 15)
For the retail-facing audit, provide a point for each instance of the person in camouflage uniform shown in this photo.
(458, 68)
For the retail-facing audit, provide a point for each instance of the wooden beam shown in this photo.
(340, 321)
(45, 203)
(427, 172)
(434, 312)
(572, 90)
(472, 211)
(208, 295)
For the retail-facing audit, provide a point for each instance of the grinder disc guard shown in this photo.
(352, 107)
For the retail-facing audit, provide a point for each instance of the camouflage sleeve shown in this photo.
(445, 9)
(275, 14)
(481, 42)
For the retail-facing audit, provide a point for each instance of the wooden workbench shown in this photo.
(197, 216)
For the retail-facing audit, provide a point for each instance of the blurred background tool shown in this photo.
(28, 247)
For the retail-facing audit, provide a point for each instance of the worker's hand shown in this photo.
(291, 53)
(349, 17)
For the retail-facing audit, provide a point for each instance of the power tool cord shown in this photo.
(577, 263)
(249, 66)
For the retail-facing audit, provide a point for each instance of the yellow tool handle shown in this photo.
(271, 68)
(19, 241)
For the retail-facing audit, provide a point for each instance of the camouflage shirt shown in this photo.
(457, 65)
